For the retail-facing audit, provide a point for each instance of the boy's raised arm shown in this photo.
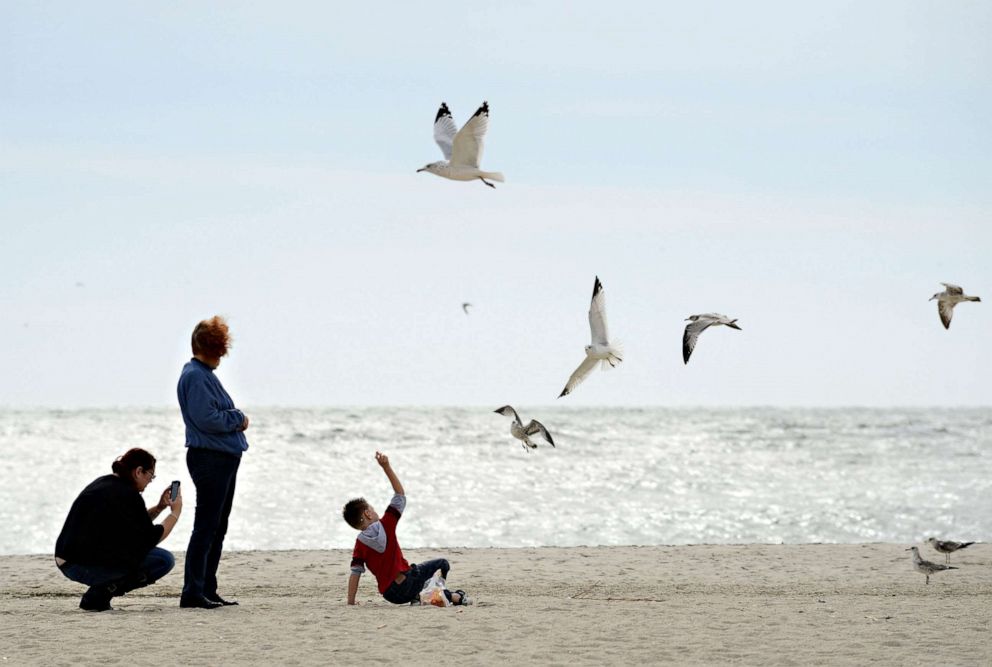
(383, 461)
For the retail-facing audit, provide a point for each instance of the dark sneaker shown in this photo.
(95, 600)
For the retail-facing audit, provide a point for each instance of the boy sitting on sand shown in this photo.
(377, 546)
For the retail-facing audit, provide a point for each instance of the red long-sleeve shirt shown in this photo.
(378, 548)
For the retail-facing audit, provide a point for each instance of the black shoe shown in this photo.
(127, 583)
(220, 600)
(198, 603)
(95, 600)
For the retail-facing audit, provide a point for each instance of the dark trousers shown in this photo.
(214, 474)
(156, 564)
(409, 590)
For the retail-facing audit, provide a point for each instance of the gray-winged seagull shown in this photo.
(946, 300)
(523, 433)
(697, 325)
(925, 566)
(947, 547)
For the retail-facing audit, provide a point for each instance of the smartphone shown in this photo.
(174, 490)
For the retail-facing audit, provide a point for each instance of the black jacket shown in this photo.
(108, 525)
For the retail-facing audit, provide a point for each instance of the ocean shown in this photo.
(618, 476)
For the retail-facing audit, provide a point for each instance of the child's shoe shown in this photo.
(463, 599)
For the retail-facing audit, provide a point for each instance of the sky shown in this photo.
(814, 170)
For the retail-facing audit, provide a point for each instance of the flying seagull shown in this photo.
(601, 349)
(925, 566)
(697, 325)
(946, 300)
(947, 547)
(466, 306)
(462, 148)
(523, 433)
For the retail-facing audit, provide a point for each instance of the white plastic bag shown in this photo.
(433, 592)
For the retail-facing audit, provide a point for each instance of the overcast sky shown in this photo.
(814, 170)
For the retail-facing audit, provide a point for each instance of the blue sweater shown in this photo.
(212, 421)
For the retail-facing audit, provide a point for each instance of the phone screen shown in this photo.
(174, 491)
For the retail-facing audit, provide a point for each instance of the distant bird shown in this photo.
(462, 149)
(523, 433)
(601, 349)
(949, 298)
(466, 306)
(697, 325)
(947, 547)
(925, 566)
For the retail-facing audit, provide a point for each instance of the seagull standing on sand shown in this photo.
(697, 325)
(466, 306)
(523, 433)
(462, 148)
(601, 349)
(947, 547)
(925, 566)
(946, 300)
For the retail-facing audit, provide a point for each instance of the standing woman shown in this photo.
(215, 440)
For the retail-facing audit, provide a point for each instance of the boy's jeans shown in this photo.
(418, 575)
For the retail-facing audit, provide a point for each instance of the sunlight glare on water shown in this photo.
(618, 476)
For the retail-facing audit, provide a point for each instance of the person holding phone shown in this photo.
(215, 441)
(108, 539)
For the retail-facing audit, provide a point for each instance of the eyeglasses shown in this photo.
(150, 472)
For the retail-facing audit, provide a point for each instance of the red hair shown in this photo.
(211, 338)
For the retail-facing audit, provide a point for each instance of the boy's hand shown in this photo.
(383, 460)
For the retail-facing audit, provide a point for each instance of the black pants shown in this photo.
(418, 575)
(214, 474)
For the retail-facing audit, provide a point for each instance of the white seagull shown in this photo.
(523, 433)
(697, 325)
(925, 566)
(466, 306)
(601, 349)
(949, 298)
(462, 148)
(947, 547)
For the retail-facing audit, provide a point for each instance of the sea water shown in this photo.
(617, 476)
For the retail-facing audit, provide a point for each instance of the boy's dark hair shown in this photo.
(353, 510)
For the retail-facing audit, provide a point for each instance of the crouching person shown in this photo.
(108, 540)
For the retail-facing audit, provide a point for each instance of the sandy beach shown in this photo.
(753, 604)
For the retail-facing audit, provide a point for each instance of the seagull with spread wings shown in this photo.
(523, 433)
(601, 349)
(697, 325)
(462, 148)
(946, 300)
